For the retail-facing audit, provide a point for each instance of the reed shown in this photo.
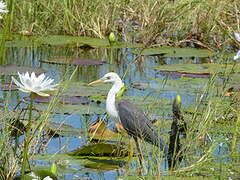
(182, 23)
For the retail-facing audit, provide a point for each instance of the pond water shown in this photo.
(141, 78)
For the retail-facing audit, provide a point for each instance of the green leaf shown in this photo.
(101, 150)
(40, 173)
(53, 168)
(61, 129)
(81, 89)
(167, 51)
(83, 41)
(211, 68)
(73, 61)
(72, 109)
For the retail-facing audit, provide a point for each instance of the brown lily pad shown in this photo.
(8, 87)
(232, 90)
(98, 130)
(62, 99)
(60, 129)
(73, 61)
(184, 74)
(12, 69)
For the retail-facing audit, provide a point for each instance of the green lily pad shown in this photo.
(20, 43)
(81, 89)
(13, 69)
(72, 109)
(73, 61)
(167, 51)
(101, 150)
(99, 163)
(60, 129)
(211, 68)
(63, 40)
(83, 41)
(191, 85)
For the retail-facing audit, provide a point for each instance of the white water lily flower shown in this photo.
(237, 55)
(48, 178)
(237, 36)
(33, 84)
(2, 8)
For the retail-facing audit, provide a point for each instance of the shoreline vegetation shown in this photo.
(195, 23)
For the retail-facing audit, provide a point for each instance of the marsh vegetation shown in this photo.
(163, 50)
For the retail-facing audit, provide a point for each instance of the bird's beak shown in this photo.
(96, 82)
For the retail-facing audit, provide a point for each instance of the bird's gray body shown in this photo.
(136, 123)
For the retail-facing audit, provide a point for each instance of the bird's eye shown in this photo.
(108, 77)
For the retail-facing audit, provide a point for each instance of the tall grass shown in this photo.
(183, 22)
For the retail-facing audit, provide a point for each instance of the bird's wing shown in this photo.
(136, 123)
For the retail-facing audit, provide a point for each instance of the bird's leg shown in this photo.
(140, 157)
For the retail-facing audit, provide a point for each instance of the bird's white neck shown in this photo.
(110, 104)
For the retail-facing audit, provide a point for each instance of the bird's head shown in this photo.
(109, 77)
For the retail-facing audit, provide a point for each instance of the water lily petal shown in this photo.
(46, 83)
(33, 76)
(237, 55)
(25, 90)
(17, 83)
(42, 94)
(48, 178)
(40, 78)
(237, 36)
(21, 78)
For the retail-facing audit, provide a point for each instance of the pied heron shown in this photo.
(134, 121)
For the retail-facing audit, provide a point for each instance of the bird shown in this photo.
(133, 120)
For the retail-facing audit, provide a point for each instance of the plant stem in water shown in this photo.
(27, 139)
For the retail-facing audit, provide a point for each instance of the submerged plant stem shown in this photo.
(27, 139)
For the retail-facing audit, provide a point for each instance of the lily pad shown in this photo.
(98, 130)
(13, 69)
(8, 87)
(62, 99)
(83, 41)
(99, 163)
(206, 68)
(20, 43)
(101, 150)
(232, 90)
(73, 61)
(72, 109)
(81, 89)
(167, 51)
(184, 74)
(104, 165)
(63, 40)
(60, 129)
